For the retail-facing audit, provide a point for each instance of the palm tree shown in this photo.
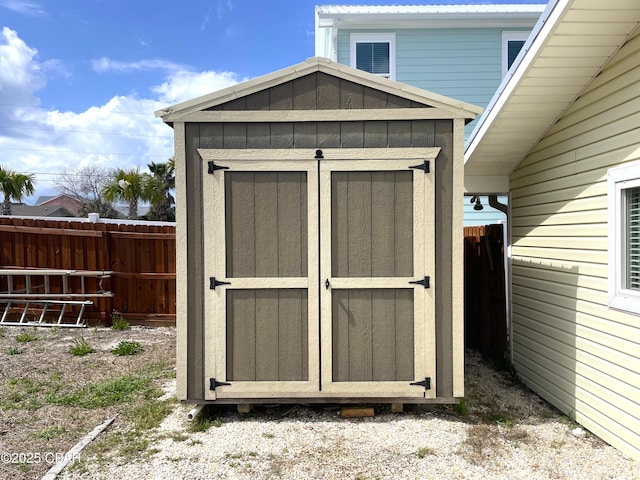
(14, 186)
(158, 190)
(128, 186)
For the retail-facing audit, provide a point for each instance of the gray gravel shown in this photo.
(504, 432)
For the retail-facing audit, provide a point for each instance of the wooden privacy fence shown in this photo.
(143, 282)
(141, 257)
(484, 292)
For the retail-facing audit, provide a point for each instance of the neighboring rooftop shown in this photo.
(22, 210)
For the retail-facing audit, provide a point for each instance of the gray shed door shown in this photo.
(313, 268)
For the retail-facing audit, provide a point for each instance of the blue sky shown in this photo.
(80, 80)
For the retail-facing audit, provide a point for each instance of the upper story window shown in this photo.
(624, 237)
(374, 53)
(512, 43)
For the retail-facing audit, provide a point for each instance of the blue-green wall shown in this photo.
(461, 63)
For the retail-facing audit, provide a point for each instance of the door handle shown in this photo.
(326, 284)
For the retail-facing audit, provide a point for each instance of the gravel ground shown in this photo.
(500, 431)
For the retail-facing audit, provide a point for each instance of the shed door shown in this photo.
(377, 321)
(262, 243)
(313, 270)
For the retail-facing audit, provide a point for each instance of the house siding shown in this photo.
(461, 63)
(568, 345)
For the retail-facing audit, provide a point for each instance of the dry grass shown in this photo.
(51, 397)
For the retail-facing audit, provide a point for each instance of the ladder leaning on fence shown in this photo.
(49, 297)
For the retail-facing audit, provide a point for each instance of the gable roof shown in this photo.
(456, 108)
(570, 45)
(22, 210)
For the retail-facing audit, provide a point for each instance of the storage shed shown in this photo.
(319, 233)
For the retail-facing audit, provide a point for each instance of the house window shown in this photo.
(512, 43)
(624, 238)
(374, 53)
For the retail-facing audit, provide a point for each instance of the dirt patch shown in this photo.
(50, 398)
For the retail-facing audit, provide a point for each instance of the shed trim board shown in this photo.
(354, 115)
(182, 329)
(319, 295)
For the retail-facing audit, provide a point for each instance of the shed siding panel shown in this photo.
(258, 135)
(328, 135)
(368, 329)
(375, 134)
(194, 138)
(351, 95)
(266, 224)
(328, 92)
(372, 224)
(305, 135)
(568, 345)
(399, 134)
(254, 318)
(258, 101)
(304, 93)
(281, 96)
(317, 91)
(371, 134)
(282, 135)
(442, 132)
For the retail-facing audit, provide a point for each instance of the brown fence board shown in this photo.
(484, 293)
(141, 256)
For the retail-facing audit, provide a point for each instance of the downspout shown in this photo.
(494, 203)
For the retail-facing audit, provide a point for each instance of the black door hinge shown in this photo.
(424, 282)
(426, 383)
(213, 167)
(213, 383)
(213, 283)
(423, 166)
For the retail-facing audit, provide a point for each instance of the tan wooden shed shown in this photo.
(319, 233)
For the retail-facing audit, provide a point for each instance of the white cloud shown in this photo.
(25, 8)
(184, 85)
(105, 64)
(121, 133)
(20, 74)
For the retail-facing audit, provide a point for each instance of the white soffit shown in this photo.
(428, 16)
(572, 42)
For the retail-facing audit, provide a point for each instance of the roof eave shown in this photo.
(502, 139)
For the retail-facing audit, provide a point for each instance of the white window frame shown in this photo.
(521, 35)
(620, 179)
(389, 38)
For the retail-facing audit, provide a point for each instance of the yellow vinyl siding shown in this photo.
(568, 345)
